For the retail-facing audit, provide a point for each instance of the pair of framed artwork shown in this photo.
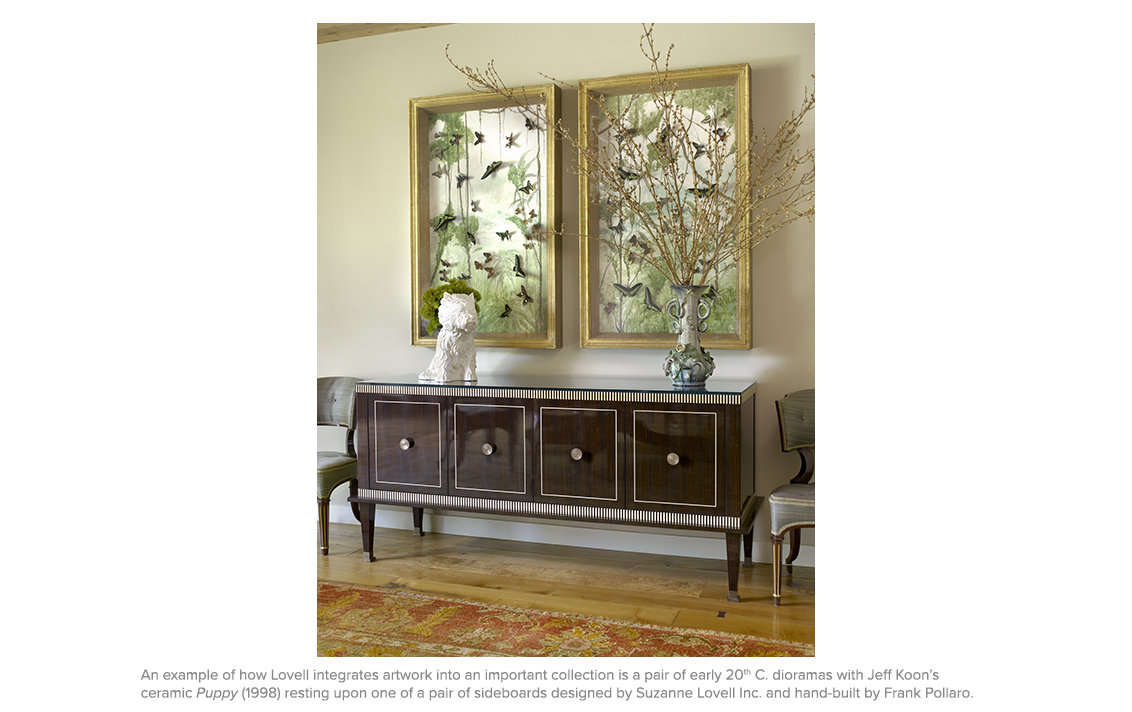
(485, 188)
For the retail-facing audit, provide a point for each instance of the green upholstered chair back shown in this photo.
(336, 401)
(796, 420)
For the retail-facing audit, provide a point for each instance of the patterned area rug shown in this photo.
(382, 622)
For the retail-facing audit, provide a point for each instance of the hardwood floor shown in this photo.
(663, 590)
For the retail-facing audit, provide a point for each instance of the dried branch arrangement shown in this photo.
(697, 197)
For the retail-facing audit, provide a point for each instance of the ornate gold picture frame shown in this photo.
(485, 180)
(623, 300)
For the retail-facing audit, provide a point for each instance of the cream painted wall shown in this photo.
(364, 311)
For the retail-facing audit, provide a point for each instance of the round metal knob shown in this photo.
(673, 459)
(576, 454)
(406, 443)
(488, 448)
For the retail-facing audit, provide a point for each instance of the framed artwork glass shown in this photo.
(484, 178)
(624, 300)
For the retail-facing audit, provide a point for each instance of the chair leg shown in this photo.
(776, 564)
(324, 525)
(795, 548)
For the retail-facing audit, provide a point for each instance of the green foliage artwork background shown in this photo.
(643, 311)
(486, 234)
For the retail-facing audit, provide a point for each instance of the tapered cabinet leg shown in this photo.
(418, 520)
(748, 547)
(324, 526)
(733, 567)
(367, 511)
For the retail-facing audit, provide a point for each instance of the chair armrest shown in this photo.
(807, 469)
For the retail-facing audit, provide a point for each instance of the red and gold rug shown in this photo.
(356, 621)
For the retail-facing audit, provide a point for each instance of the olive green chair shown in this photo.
(336, 408)
(792, 505)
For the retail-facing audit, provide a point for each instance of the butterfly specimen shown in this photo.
(610, 307)
(490, 270)
(532, 214)
(512, 140)
(519, 267)
(444, 275)
(628, 174)
(455, 139)
(527, 299)
(711, 294)
(486, 257)
(445, 263)
(701, 149)
(644, 247)
(628, 133)
(702, 192)
(629, 291)
(471, 237)
(649, 303)
(443, 220)
(721, 134)
(460, 178)
(506, 311)
(505, 235)
(475, 206)
(464, 276)
(531, 126)
(480, 138)
(528, 245)
(440, 171)
(527, 188)
(491, 168)
(619, 227)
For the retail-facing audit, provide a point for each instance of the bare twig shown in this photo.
(696, 221)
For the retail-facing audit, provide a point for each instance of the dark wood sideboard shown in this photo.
(614, 450)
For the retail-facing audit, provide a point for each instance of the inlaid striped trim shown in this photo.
(541, 394)
(541, 509)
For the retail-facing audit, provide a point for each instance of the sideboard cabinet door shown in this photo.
(491, 450)
(579, 455)
(675, 460)
(405, 445)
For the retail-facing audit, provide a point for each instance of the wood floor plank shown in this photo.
(649, 588)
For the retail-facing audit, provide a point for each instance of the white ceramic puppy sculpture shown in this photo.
(455, 358)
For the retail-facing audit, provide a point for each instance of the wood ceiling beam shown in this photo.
(335, 31)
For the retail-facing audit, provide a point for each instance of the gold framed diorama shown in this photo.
(623, 299)
(484, 179)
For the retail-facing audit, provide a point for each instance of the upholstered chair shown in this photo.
(336, 408)
(792, 505)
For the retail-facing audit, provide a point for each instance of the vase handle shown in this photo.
(705, 311)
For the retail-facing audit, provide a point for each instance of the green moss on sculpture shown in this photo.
(432, 297)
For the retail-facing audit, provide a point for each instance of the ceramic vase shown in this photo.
(688, 365)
